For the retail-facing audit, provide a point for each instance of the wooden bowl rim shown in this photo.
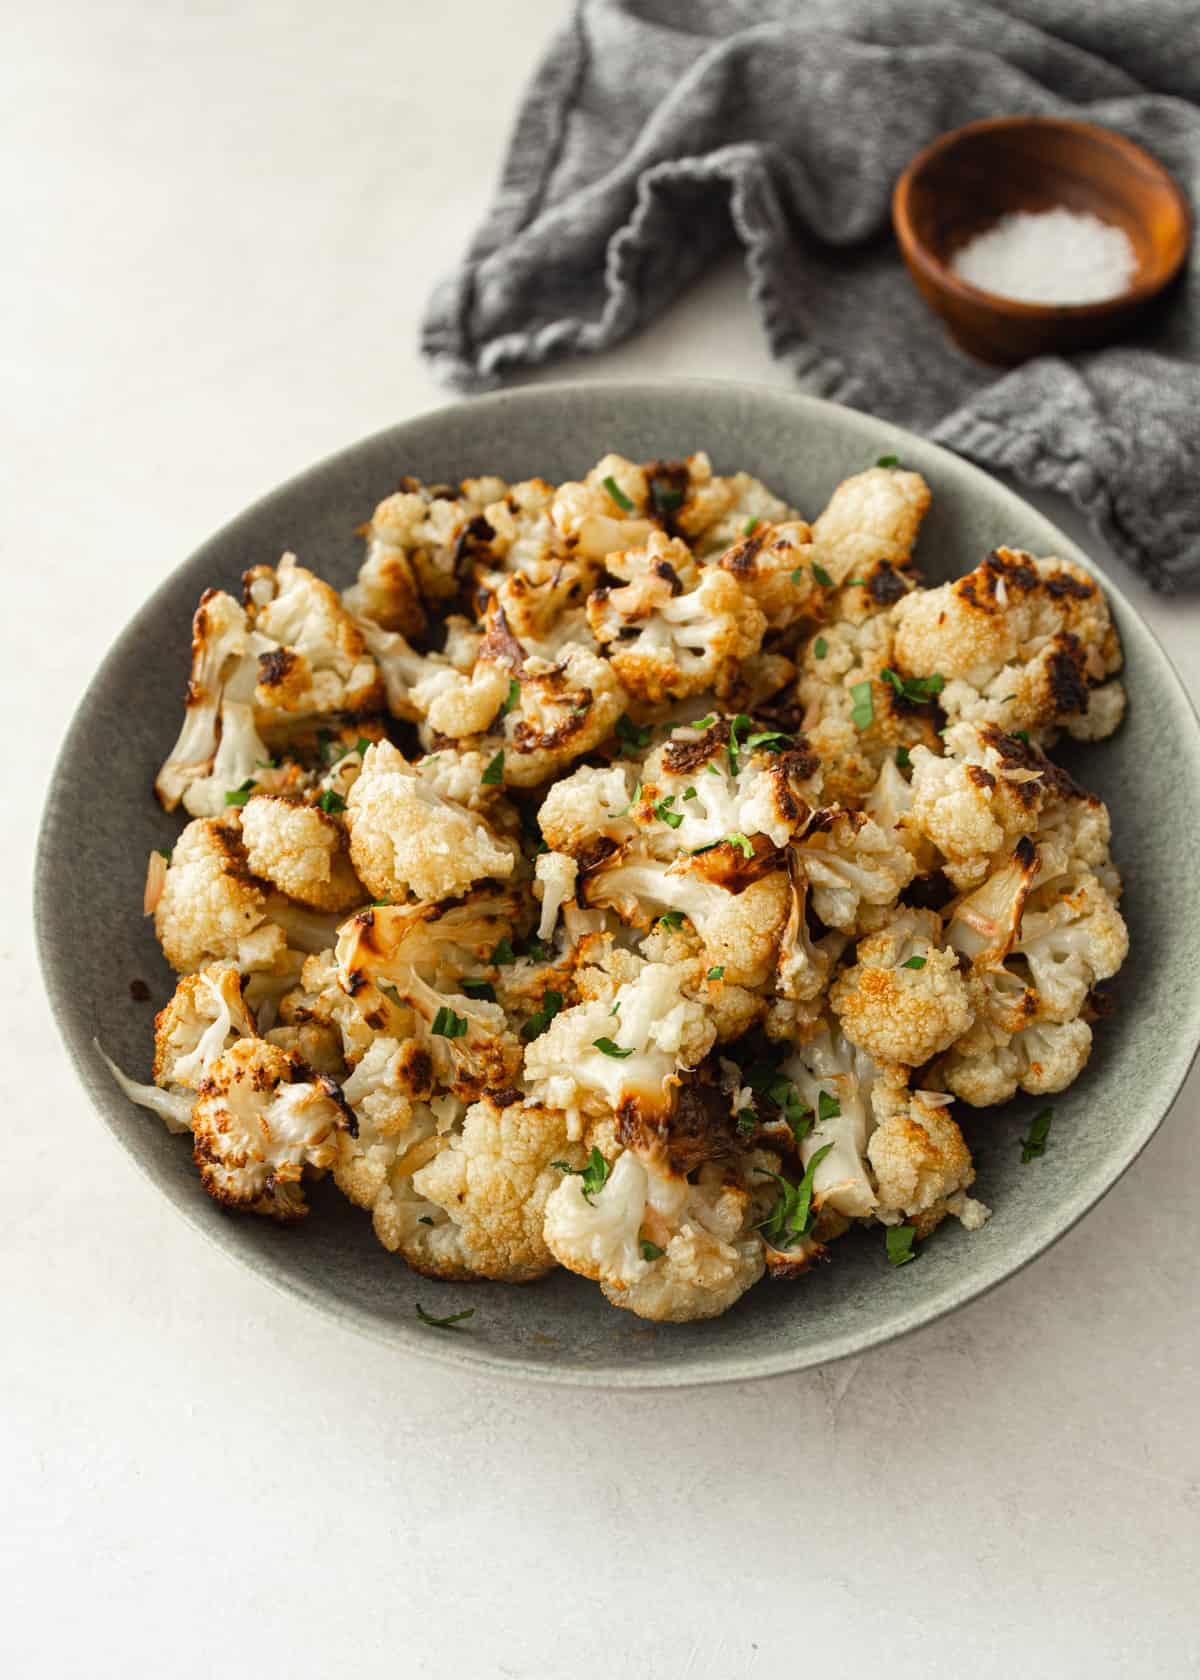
(946, 280)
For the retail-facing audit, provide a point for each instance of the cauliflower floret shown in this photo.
(242, 758)
(977, 800)
(666, 558)
(835, 1080)
(741, 929)
(715, 512)
(383, 957)
(700, 1259)
(204, 1017)
(850, 863)
(984, 925)
(560, 714)
(685, 643)
(1022, 643)
(555, 877)
(210, 906)
(300, 849)
(773, 565)
(320, 662)
(875, 515)
(491, 1181)
(605, 512)
(904, 999)
(406, 838)
(805, 963)
(730, 779)
(984, 1069)
(586, 806)
(651, 1030)
(258, 1121)
(919, 1160)
(1079, 938)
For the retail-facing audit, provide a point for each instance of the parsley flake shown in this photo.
(737, 725)
(651, 1251)
(493, 776)
(610, 1049)
(771, 740)
(424, 1220)
(537, 1023)
(917, 690)
(664, 496)
(1021, 735)
(331, 802)
(474, 986)
(447, 1323)
(717, 973)
(240, 795)
(511, 698)
(689, 793)
(662, 811)
(593, 1177)
(704, 722)
(1039, 1130)
(863, 714)
(899, 1241)
(903, 758)
(828, 1107)
(503, 953)
(618, 495)
(750, 526)
(671, 919)
(888, 461)
(914, 962)
(822, 576)
(630, 735)
(793, 1214)
(164, 853)
(446, 1024)
(820, 647)
(740, 840)
(747, 1121)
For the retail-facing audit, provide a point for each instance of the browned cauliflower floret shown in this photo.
(920, 1162)
(988, 1066)
(875, 515)
(211, 907)
(405, 838)
(714, 511)
(320, 663)
(559, 713)
(609, 510)
(738, 909)
(489, 1183)
(773, 565)
(302, 850)
(850, 863)
(659, 1244)
(1072, 936)
(905, 998)
(587, 806)
(204, 1017)
(978, 799)
(683, 642)
(1021, 643)
(258, 1121)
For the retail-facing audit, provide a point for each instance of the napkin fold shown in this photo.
(657, 135)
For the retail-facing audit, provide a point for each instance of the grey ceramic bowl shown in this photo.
(94, 941)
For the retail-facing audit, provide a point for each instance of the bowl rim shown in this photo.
(942, 276)
(476, 1359)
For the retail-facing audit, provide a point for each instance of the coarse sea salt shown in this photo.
(1049, 256)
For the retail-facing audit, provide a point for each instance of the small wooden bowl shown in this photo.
(967, 179)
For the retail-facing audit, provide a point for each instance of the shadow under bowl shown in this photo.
(966, 180)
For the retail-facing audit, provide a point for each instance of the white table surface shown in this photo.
(221, 222)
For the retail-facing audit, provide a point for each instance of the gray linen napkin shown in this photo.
(658, 134)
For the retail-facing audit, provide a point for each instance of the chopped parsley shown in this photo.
(266, 764)
(671, 919)
(651, 1251)
(914, 962)
(1039, 1130)
(607, 1046)
(689, 793)
(164, 852)
(1021, 735)
(625, 809)
(630, 735)
(503, 953)
(511, 698)
(740, 723)
(331, 802)
(791, 1105)
(863, 714)
(793, 1215)
(712, 769)
(740, 840)
(535, 950)
(888, 461)
(446, 1024)
(537, 1023)
(662, 811)
(854, 583)
(820, 647)
(749, 527)
(380, 903)
(704, 722)
(240, 795)
(593, 1177)
(903, 758)
(917, 690)
(493, 776)
(772, 740)
(747, 1121)
(618, 495)
(447, 1323)
(717, 973)
(361, 745)
(822, 576)
(664, 496)
(475, 987)
(899, 1241)
(828, 1108)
